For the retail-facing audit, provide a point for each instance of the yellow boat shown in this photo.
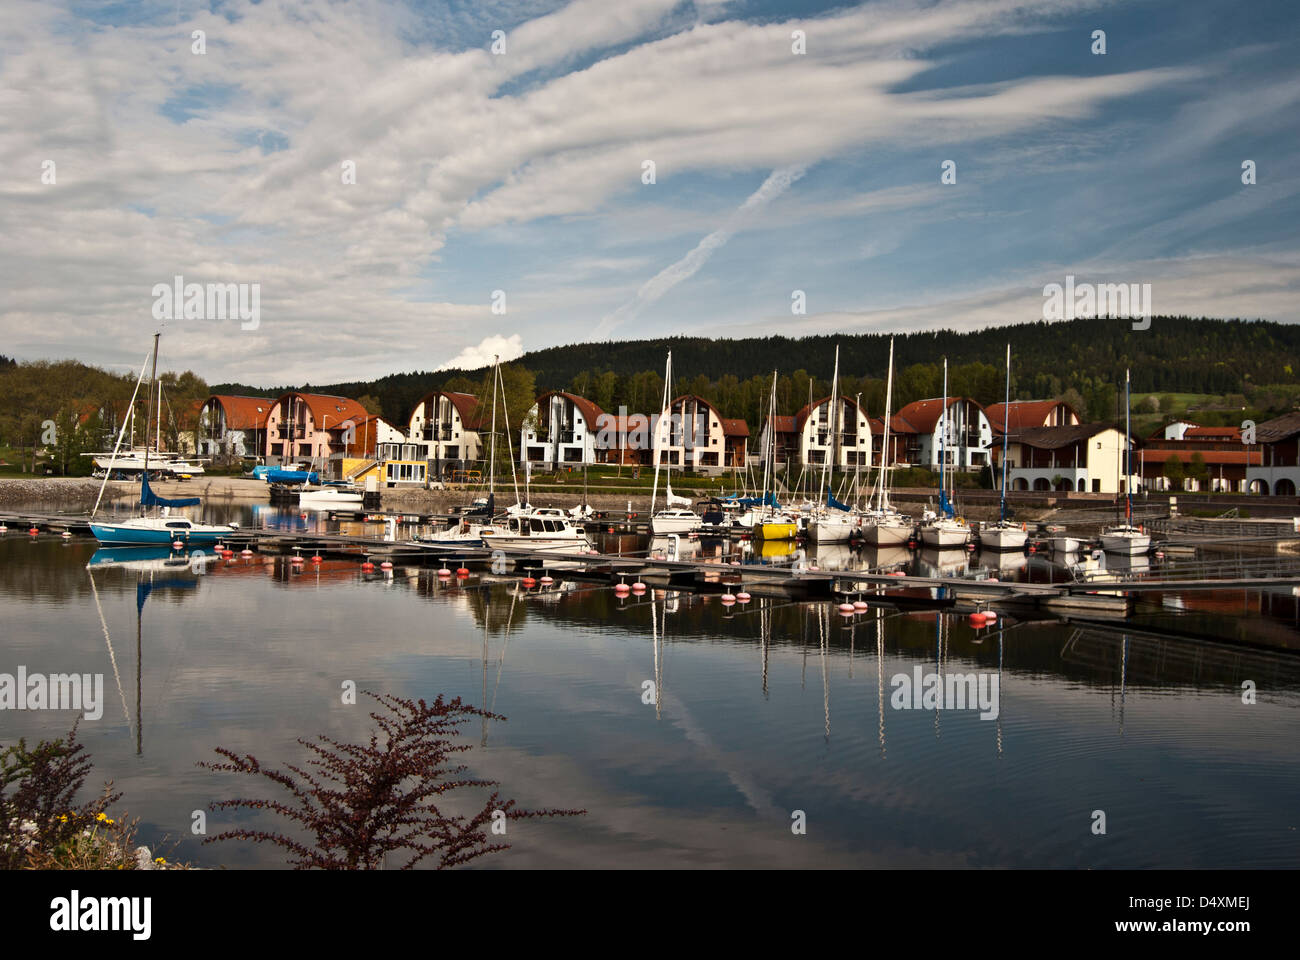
(776, 530)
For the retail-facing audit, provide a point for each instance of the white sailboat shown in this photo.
(943, 530)
(830, 521)
(675, 518)
(1126, 538)
(885, 526)
(468, 531)
(767, 521)
(1004, 535)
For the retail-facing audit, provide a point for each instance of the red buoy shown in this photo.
(462, 571)
(367, 566)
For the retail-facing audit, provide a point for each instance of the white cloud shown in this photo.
(485, 351)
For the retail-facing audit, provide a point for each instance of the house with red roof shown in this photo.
(311, 428)
(817, 442)
(921, 423)
(230, 426)
(1022, 414)
(446, 428)
(561, 428)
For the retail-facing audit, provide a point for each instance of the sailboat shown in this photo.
(1125, 538)
(469, 529)
(675, 518)
(944, 530)
(1004, 535)
(885, 526)
(767, 521)
(832, 521)
(163, 527)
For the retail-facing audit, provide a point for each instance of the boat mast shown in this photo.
(828, 469)
(1006, 427)
(153, 376)
(668, 373)
(1128, 451)
(884, 452)
(943, 437)
(492, 442)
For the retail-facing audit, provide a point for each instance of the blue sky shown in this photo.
(522, 171)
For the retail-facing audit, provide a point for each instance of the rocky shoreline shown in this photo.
(64, 493)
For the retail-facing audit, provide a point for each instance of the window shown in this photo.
(551, 525)
(535, 525)
(179, 525)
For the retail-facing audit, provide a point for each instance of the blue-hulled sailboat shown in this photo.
(162, 528)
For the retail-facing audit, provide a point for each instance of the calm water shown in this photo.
(763, 710)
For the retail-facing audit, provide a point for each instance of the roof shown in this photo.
(783, 424)
(1024, 413)
(244, 413)
(1053, 438)
(589, 410)
(734, 427)
(1212, 433)
(323, 406)
(922, 416)
(466, 404)
(896, 426)
(628, 424)
(1279, 428)
(806, 410)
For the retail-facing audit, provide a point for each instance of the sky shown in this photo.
(412, 186)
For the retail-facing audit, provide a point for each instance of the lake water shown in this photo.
(763, 709)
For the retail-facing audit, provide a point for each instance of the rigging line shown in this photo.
(112, 657)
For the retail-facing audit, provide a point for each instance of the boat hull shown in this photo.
(1003, 538)
(887, 534)
(944, 537)
(776, 531)
(1066, 544)
(1127, 544)
(833, 530)
(662, 526)
(123, 536)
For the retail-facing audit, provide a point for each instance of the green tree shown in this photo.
(1174, 471)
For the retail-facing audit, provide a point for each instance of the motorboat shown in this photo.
(674, 520)
(542, 528)
(330, 496)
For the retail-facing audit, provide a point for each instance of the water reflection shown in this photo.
(764, 708)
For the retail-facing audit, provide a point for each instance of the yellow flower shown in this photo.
(102, 816)
(159, 859)
(63, 818)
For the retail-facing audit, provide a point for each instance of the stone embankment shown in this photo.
(58, 494)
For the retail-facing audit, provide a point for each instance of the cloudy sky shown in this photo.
(522, 170)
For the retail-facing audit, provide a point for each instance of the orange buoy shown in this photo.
(529, 582)
(367, 566)
(462, 571)
(33, 531)
(316, 559)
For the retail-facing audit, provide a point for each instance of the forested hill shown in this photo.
(1083, 357)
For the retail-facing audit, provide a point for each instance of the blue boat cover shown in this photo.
(143, 589)
(945, 507)
(150, 499)
(832, 502)
(767, 498)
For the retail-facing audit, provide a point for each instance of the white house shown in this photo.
(445, 428)
(969, 439)
(560, 429)
(816, 438)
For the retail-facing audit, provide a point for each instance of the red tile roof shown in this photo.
(1024, 413)
(244, 413)
(1251, 458)
(734, 427)
(590, 411)
(921, 416)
